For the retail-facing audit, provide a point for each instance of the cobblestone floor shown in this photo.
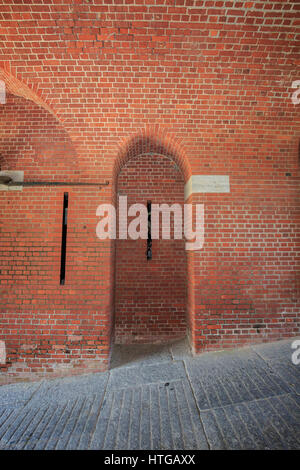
(160, 397)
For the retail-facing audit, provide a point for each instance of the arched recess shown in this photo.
(19, 88)
(29, 97)
(34, 139)
(157, 144)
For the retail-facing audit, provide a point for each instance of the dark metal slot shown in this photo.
(64, 240)
(149, 239)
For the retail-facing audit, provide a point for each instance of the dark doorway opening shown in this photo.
(151, 292)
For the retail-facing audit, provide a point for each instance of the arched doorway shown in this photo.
(151, 294)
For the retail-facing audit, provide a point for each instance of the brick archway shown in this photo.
(152, 140)
(151, 297)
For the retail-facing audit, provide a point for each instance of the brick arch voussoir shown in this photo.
(152, 140)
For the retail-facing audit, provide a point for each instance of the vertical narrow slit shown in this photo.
(64, 240)
(149, 239)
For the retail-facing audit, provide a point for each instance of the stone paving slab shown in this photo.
(152, 373)
(19, 393)
(224, 378)
(69, 388)
(154, 416)
(139, 355)
(278, 356)
(241, 399)
(269, 423)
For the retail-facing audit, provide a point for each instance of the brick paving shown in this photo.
(160, 397)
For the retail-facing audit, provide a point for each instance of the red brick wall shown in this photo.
(206, 83)
(49, 328)
(247, 275)
(150, 294)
